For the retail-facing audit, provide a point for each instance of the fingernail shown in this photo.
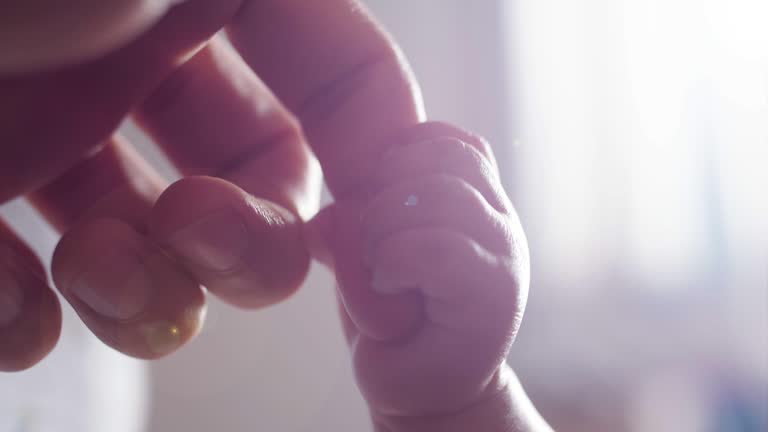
(11, 297)
(118, 287)
(216, 242)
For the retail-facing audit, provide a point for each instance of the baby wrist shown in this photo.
(506, 409)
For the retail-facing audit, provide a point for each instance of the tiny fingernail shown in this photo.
(11, 297)
(216, 242)
(118, 288)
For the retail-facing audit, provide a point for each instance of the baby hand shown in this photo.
(433, 273)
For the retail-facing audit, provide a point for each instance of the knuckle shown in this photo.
(378, 68)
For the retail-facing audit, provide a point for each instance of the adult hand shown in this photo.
(238, 124)
(39, 34)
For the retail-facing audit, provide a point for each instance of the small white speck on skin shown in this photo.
(411, 201)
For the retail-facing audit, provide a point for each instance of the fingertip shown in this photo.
(126, 290)
(248, 251)
(30, 316)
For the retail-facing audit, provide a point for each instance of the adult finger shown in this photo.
(338, 72)
(248, 250)
(126, 290)
(215, 118)
(347, 83)
(30, 315)
(114, 181)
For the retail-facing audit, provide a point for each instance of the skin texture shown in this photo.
(307, 85)
(435, 242)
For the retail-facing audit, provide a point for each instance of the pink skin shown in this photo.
(433, 291)
(433, 276)
(41, 34)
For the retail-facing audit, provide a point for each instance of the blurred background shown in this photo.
(633, 138)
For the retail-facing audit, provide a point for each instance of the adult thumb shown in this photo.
(42, 34)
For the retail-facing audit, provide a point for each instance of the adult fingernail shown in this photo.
(216, 242)
(11, 297)
(118, 287)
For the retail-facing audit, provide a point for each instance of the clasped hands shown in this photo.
(430, 259)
